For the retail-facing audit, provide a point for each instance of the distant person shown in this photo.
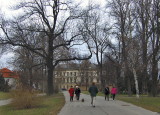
(106, 92)
(113, 92)
(77, 92)
(93, 90)
(71, 92)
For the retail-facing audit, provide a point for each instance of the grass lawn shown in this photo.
(50, 105)
(4, 95)
(150, 103)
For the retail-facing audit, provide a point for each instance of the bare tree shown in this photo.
(28, 63)
(134, 58)
(43, 16)
(97, 32)
(84, 70)
(147, 27)
(142, 12)
(155, 44)
(120, 10)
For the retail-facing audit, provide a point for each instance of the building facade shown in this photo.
(66, 77)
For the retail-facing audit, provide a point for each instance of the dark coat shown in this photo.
(106, 91)
(93, 90)
(77, 91)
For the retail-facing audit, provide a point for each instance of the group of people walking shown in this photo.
(73, 91)
(93, 90)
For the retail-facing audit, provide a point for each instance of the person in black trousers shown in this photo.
(77, 92)
(106, 92)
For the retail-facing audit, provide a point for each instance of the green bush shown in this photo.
(24, 98)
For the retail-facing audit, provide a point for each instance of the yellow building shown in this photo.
(65, 77)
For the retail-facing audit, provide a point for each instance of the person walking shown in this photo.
(113, 92)
(93, 90)
(77, 92)
(106, 92)
(71, 92)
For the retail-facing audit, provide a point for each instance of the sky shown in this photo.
(4, 8)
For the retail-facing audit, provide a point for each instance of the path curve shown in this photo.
(5, 102)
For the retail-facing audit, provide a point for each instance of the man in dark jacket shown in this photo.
(106, 92)
(77, 92)
(93, 90)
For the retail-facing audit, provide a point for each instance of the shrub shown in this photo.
(24, 98)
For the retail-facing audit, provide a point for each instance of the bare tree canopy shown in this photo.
(44, 27)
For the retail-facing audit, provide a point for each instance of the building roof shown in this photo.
(62, 67)
(6, 73)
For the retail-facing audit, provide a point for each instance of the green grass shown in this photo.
(50, 105)
(150, 103)
(4, 95)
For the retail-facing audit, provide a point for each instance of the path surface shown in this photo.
(102, 107)
(5, 102)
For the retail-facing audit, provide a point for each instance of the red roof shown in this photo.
(6, 73)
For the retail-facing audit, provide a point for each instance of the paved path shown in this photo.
(5, 102)
(102, 107)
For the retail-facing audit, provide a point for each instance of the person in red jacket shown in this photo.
(113, 92)
(71, 92)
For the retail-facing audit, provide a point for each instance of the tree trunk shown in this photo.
(101, 70)
(129, 86)
(50, 79)
(154, 77)
(136, 82)
(144, 58)
(30, 77)
(128, 83)
(101, 78)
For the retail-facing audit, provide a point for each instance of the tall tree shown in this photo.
(155, 44)
(142, 16)
(51, 18)
(27, 62)
(97, 32)
(84, 70)
(120, 11)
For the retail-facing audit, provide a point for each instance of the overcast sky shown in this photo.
(4, 8)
